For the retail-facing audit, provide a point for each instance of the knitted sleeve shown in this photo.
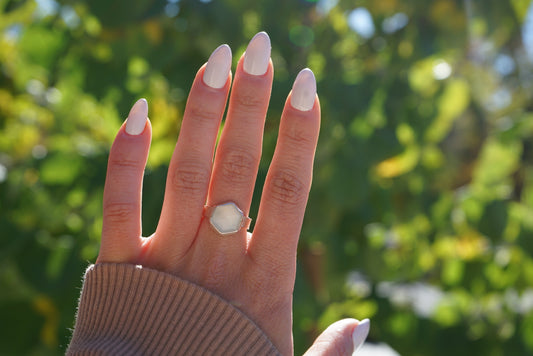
(131, 310)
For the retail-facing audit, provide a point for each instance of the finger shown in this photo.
(289, 178)
(239, 150)
(342, 338)
(121, 229)
(190, 167)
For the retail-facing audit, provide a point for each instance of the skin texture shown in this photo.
(255, 272)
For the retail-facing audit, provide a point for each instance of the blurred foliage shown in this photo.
(421, 212)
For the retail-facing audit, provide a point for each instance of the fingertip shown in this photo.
(336, 340)
(360, 334)
(303, 95)
(137, 118)
(139, 143)
(218, 67)
(257, 56)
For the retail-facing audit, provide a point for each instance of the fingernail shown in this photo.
(218, 67)
(360, 333)
(304, 90)
(257, 54)
(137, 117)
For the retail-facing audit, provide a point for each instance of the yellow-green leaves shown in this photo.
(450, 105)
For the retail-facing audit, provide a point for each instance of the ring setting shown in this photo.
(227, 218)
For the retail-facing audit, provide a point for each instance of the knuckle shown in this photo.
(119, 212)
(123, 163)
(297, 136)
(238, 165)
(204, 116)
(216, 275)
(287, 189)
(249, 103)
(190, 178)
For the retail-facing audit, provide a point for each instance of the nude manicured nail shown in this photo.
(257, 54)
(304, 91)
(360, 333)
(137, 117)
(218, 67)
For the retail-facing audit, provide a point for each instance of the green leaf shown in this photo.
(61, 169)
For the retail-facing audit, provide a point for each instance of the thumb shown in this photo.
(341, 338)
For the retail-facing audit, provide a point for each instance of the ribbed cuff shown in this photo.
(131, 310)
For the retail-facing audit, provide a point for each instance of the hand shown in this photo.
(255, 272)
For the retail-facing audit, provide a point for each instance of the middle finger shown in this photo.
(190, 168)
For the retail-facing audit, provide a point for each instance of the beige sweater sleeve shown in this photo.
(130, 310)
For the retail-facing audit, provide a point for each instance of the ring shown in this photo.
(226, 218)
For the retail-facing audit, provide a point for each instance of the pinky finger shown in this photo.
(121, 230)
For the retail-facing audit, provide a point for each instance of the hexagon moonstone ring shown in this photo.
(226, 218)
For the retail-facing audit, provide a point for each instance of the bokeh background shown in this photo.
(421, 211)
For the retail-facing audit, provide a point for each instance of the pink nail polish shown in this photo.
(257, 55)
(137, 117)
(218, 67)
(360, 333)
(304, 91)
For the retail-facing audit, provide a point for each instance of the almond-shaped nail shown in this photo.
(218, 67)
(304, 91)
(137, 117)
(257, 55)
(360, 333)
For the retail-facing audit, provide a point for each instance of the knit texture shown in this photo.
(131, 310)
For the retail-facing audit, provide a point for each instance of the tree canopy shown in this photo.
(421, 211)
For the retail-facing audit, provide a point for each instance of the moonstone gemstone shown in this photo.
(227, 218)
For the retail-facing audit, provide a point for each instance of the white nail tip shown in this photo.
(218, 67)
(360, 333)
(257, 54)
(137, 117)
(304, 91)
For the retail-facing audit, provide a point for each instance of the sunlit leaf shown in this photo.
(452, 271)
(398, 165)
(60, 169)
(45, 307)
(451, 104)
(497, 161)
(423, 174)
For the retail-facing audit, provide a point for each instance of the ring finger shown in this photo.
(239, 150)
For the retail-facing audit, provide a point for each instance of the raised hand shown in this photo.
(253, 271)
